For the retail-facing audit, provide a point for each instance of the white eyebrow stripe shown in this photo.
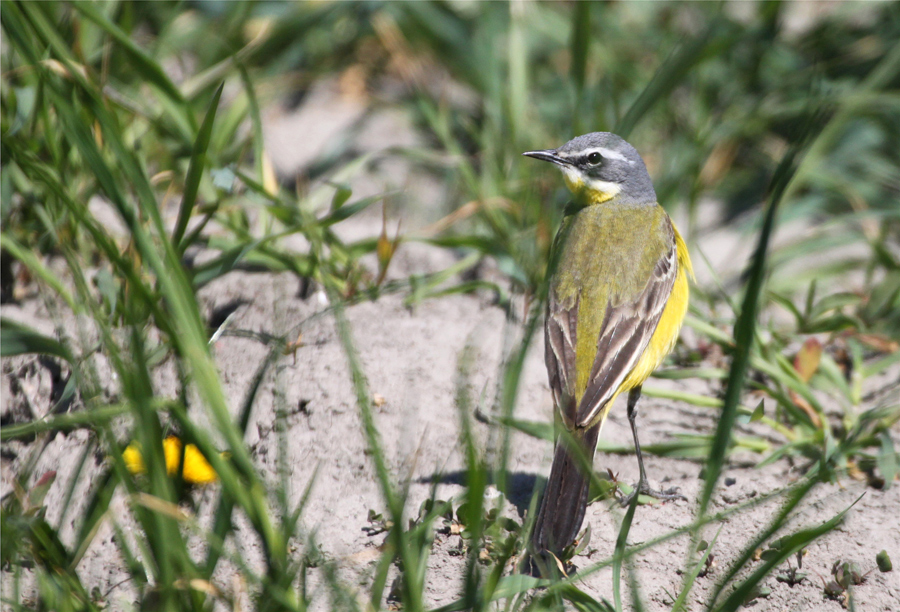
(607, 153)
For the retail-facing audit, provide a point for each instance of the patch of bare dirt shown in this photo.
(411, 358)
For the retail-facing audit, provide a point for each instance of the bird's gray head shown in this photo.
(601, 166)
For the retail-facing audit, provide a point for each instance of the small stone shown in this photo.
(730, 481)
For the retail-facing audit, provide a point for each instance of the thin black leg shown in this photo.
(643, 486)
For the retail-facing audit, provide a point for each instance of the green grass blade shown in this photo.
(778, 521)
(222, 524)
(37, 267)
(691, 576)
(195, 171)
(87, 451)
(65, 422)
(789, 546)
(745, 330)
(580, 44)
(476, 482)
(580, 600)
(672, 71)
(19, 339)
(619, 552)
(255, 122)
(145, 65)
(103, 489)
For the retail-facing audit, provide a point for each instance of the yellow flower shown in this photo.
(133, 459)
(197, 469)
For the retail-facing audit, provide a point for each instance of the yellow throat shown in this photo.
(589, 191)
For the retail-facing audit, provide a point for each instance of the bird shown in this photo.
(617, 297)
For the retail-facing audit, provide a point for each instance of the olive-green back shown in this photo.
(608, 255)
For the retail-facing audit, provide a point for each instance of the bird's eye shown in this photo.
(594, 158)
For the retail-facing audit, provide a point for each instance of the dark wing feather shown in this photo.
(560, 336)
(624, 335)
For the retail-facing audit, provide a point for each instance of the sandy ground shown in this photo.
(411, 358)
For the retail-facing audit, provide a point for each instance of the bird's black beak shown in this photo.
(549, 155)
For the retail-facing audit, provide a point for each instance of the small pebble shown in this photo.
(730, 481)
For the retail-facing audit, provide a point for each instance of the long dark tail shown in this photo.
(565, 498)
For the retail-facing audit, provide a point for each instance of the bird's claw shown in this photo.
(644, 489)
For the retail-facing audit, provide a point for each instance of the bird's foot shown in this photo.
(642, 488)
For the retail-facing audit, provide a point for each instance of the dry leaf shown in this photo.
(879, 343)
(270, 182)
(807, 360)
(291, 347)
(365, 555)
(805, 406)
(162, 506)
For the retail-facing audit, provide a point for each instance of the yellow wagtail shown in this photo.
(617, 297)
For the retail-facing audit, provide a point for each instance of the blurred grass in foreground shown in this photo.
(90, 109)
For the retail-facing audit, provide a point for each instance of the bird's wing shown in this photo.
(560, 337)
(624, 335)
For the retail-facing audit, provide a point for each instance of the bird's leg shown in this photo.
(643, 487)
